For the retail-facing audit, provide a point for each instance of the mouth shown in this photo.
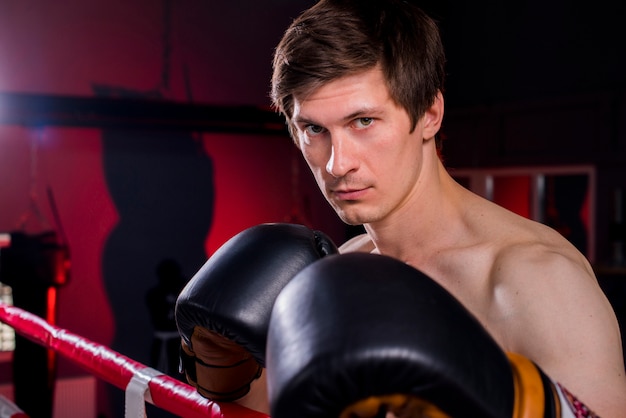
(349, 194)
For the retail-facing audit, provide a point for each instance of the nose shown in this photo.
(342, 157)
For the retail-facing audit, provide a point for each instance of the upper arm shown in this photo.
(563, 322)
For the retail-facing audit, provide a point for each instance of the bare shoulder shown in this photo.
(554, 312)
(360, 243)
(544, 258)
(543, 281)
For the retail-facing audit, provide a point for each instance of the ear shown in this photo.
(433, 117)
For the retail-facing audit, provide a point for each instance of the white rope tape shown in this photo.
(122, 372)
(9, 410)
(138, 392)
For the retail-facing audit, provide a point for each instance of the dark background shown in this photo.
(530, 84)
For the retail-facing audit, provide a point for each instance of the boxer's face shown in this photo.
(359, 146)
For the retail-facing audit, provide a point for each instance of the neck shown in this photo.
(425, 223)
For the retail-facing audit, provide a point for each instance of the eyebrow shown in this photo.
(362, 112)
(306, 121)
(365, 111)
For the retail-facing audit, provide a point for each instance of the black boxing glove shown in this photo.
(356, 335)
(223, 312)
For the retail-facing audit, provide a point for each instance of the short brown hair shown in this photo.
(335, 38)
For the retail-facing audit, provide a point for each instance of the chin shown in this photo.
(347, 219)
(356, 213)
(354, 218)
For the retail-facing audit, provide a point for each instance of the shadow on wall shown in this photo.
(163, 189)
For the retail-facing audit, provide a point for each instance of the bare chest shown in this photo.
(467, 277)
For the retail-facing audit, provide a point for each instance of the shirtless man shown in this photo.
(360, 84)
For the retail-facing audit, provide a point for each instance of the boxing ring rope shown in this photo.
(141, 383)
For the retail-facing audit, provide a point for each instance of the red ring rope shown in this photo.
(165, 392)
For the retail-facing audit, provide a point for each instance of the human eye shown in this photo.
(361, 123)
(312, 130)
